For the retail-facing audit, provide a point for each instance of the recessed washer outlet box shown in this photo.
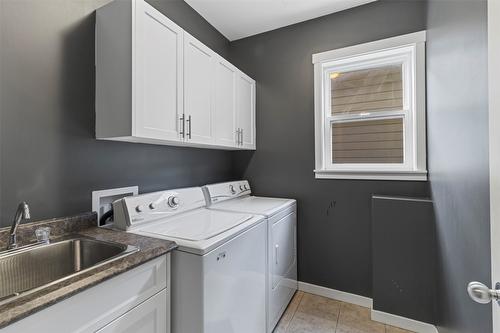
(102, 200)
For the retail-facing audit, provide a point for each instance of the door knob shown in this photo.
(482, 294)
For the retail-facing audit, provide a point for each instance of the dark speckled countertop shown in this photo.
(85, 224)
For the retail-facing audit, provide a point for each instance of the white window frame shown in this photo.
(407, 50)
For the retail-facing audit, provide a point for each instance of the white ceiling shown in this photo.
(237, 19)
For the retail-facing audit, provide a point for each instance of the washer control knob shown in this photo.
(139, 208)
(153, 205)
(173, 201)
(245, 187)
(242, 188)
(231, 188)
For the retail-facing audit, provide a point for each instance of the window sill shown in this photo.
(371, 175)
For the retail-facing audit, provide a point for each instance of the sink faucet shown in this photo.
(23, 212)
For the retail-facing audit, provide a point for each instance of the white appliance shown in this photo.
(281, 216)
(219, 268)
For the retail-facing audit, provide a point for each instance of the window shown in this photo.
(370, 110)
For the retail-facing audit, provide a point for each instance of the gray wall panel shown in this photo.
(404, 257)
(457, 98)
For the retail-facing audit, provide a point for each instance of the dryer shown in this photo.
(281, 217)
(218, 270)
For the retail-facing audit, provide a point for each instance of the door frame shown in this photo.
(494, 145)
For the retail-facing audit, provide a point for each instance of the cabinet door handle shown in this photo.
(237, 136)
(241, 137)
(183, 126)
(189, 126)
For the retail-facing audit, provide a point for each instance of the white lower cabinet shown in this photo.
(157, 84)
(134, 301)
(147, 317)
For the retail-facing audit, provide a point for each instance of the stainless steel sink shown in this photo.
(33, 267)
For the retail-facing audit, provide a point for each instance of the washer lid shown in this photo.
(255, 205)
(198, 225)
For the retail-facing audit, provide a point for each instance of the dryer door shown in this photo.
(283, 247)
(282, 261)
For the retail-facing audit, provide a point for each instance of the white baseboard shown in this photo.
(382, 317)
(402, 322)
(336, 294)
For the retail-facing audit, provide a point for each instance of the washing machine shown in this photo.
(281, 218)
(219, 268)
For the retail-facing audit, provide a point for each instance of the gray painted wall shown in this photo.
(334, 229)
(49, 157)
(457, 112)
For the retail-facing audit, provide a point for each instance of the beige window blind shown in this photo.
(367, 92)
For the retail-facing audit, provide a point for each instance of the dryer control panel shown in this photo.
(225, 191)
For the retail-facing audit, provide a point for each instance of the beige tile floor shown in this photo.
(309, 313)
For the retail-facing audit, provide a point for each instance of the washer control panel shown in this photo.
(225, 191)
(130, 212)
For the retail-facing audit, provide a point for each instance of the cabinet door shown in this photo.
(198, 90)
(157, 75)
(225, 103)
(245, 107)
(149, 317)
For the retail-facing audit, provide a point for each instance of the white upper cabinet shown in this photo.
(225, 103)
(157, 84)
(198, 90)
(158, 80)
(245, 106)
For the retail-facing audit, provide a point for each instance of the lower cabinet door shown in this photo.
(97, 307)
(151, 316)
